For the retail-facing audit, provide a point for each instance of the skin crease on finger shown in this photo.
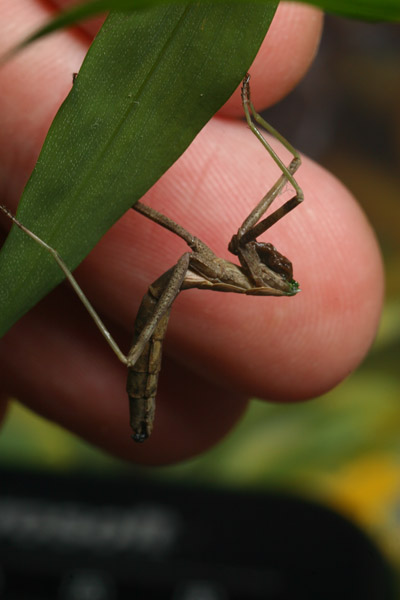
(336, 260)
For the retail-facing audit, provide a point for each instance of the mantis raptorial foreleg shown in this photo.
(263, 271)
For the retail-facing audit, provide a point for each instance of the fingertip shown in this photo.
(290, 348)
(311, 342)
(341, 271)
(284, 349)
(33, 85)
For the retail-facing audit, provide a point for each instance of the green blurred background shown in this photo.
(342, 449)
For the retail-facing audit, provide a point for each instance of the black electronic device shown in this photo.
(92, 538)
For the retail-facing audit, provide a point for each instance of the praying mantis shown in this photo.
(262, 271)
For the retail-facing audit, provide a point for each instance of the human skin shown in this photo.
(221, 349)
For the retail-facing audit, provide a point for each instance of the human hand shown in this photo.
(220, 349)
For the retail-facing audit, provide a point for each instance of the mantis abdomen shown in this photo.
(143, 375)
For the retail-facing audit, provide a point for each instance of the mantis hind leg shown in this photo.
(250, 230)
(252, 114)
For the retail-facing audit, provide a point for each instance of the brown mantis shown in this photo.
(263, 271)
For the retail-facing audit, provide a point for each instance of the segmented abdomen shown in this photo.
(143, 375)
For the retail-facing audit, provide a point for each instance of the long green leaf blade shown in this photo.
(149, 83)
(383, 10)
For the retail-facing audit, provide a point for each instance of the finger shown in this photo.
(35, 83)
(284, 57)
(70, 376)
(277, 348)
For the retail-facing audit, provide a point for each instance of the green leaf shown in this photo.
(149, 83)
(384, 10)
